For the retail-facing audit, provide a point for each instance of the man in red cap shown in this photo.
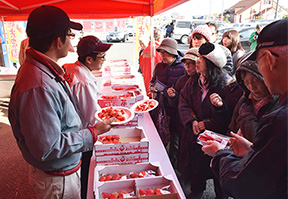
(259, 169)
(91, 56)
(42, 112)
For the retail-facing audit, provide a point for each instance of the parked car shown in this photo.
(130, 30)
(244, 37)
(182, 29)
(117, 36)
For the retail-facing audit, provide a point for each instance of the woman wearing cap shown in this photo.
(231, 40)
(202, 34)
(168, 71)
(189, 61)
(197, 114)
(256, 101)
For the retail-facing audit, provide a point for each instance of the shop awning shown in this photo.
(18, 10)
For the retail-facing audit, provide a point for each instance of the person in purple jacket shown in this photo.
(166, 73)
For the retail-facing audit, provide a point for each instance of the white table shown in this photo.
(157, 153)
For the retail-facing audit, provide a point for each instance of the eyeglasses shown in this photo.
(102, 57)
(71, 35)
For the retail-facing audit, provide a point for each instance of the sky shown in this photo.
(193, 7)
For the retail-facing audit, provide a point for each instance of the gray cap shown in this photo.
(169, 45)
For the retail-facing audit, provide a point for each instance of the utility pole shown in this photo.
(276, 9)
(222, 14)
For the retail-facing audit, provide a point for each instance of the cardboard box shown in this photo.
(114, 186)
(155, 183)
(143, 183)
(119, 100)
(127, 169)
(122, 159)
(133, 140)
(131, 123)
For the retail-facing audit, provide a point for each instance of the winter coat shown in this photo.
(244, 115)
(262, 171)
(168, 75)
(215, 119)
(145, 64)
(253, 41)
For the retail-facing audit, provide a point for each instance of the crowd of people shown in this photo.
(223, 91)
(216, 87)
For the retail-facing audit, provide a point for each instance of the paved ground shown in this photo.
(13, 172)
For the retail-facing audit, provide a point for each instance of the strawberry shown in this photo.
(121, 195)
(142, 192)
(114, 195)
(150, 192)
(106, 195)
(102, 179)
(116, 177)
(158, 192)
(115, 137)
(134, 175)
(108, 177)
(142, 174)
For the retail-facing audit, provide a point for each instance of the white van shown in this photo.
(182, 30)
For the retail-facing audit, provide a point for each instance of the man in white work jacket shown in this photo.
(91, 56)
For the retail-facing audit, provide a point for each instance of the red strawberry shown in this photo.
(115, 137)
(134, 175)
(116, 177)
(114, 195)
(108, 177)
(102, 179)
(121, 195)
(150, 192)
(106, 195)
(158, 192)
(142, 192)
(142, 174)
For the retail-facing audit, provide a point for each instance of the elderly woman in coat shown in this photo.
(255, 102)
(166, 74)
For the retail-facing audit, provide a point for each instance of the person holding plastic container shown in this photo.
(91, 56)
(198, 114)
(42, 112)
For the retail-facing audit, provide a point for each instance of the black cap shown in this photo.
(47, 21)
(91, 44)
(274, 34)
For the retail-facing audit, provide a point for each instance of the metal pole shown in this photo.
(276, 9)
(5, 39)
(222, 14)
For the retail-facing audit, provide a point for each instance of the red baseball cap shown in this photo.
(91, 44)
